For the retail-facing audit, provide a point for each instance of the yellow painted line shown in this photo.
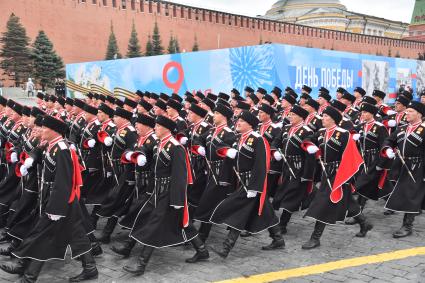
(329, 266)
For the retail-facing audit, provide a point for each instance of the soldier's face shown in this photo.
(47, 134)
(101, 116)
(357, 95)
(284, 103)
(338, 95)
(302, 102)
(366, 116)
(218, 119)
(171, 112)
(191, 117)
(309, 108)
(142, 129)
(321, 101)
(294, 118)
(327, 121)
(242, 126)
(412, 115)
(263, 116)
(398, 107)
(237, 111)
(345, 101)
(160, 131)
(423, 99)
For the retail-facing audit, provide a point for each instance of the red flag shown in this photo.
(77, 179)
(263, 194)
(350, 164)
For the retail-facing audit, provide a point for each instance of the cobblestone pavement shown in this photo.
(338, 242)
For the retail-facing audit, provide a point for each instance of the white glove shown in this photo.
(29, 162)
(201, 150)
(128, 155)
(23, 170)
(108, 174)
(141, 160)
(91, 143)
(312, 149)
(177, 207)
(277, 156)
(392, 123)
(72, 147)
(378, 168)
(390, 153)
(231, 153)
(391, 112)
(183, 140)
(108, 141)
(251, 194)
(14, 157)
(356, 137)
(54, 217)
(279, 125)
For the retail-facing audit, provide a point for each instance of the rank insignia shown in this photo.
(148, 141)
(54, 151)
(419, 130)
(337, 135)
(122, 133)
(250, 141)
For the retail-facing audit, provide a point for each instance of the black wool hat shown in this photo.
(90, 109)
(288, 89)
(403, 100)
(140, 93)
(35, 111)
(333, 113)
(307, 88)
(110, 99)
(40, 95)
(26, 111)
(313, 103)
(146, 120)
(18, 108)
(407, 94)
(341, 90)
(360, 90)
(208, 102)
(164, 96)
(212, 96)
(262, 91)
(177, 97)
(249, 118)
(267, 109)
(349, 97)
(120, 112)
(39, 120)
(79, 103)
(166, 123)
(379, 93)
(154, 96)
(224, 96)
(305, 96)
(161, 105)
(369, 99)
(298, 110)
(269, 98)
(61, 101)
(119, 103)
(130, 102)
(191, 99)
(53, 98)
(145, 104)
(243, 105)
(277, 91)
(238, 98)
(290, 99)
(224, 102)
(368, 108)
(235, 91)
(3, 100)
(325, 95)
(200, 95)
(54, 124)
(324, 89)
(224, 110)
(418, 107)
(102, 98)
(95, 95)
(198, 110)
(292, 93)
(174, 104)
(249, 89)
(10, 103)
(69, 101)
(338, 105)
(90, 95)
(254, 98)
(106, 109)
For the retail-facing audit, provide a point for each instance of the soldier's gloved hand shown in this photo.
(183, 140)
(312, 149)
(91, 143)
(14, 157)
(29, 162)
(390, 153)
(24, 170)
(392, 123)
(108, 141)
(54, 217)
(177, 207)
(251, 194)
(378, 168)
(356, 137)
(141, 160)
(277, 156)
(201, 151)
(128, 155)
(108, 174)
(231, 153)
(72, 146)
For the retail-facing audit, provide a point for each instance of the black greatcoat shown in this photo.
(50, 239)
(408, 195)
(321, 207)
(238, 211)
(158, 223)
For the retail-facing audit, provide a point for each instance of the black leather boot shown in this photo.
(407, 228)
(284, 220)
(96, 248)
(201, 251)
(15, 268)
(32, 271)
(142, 261)
(94, 217)
(389, 212)
(314, 241)
(126, 248)
(229, 243)
(204, 231)
(105, 237)
(365, 225)
(89, 269)
(4, 238)
(8, 250)
(278, 241)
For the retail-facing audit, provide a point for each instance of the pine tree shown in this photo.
(195, 45)
(47, 64)
(173, 45)
(176, 45)
(156, 41)
(133, 44)
(112, 51)
(149, 47)
(15, 52)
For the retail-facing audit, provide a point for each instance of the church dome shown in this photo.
(292, 9)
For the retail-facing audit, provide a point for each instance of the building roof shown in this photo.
(418, 16)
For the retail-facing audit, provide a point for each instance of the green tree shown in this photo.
(112, 51)
(15, 52)
(195, 45)
(149, 47)
(156, 41)
(133, 44)
(47, 64)
(173, 45)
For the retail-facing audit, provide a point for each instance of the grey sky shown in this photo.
(397, 10)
